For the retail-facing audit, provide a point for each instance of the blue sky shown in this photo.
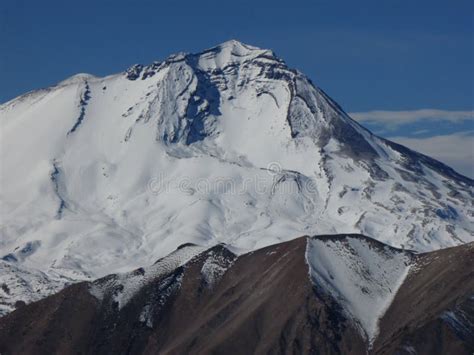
(391, 55)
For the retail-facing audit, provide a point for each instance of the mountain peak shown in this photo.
(227, 145)
(231, 52)
(236, 47)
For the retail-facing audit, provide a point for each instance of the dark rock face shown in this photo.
(433, 310)
(133, 73)
(259, 303)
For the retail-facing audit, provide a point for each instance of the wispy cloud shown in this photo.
(421, 131)
(394, 119)
(455, 150)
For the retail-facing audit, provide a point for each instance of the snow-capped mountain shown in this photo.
(103, 175)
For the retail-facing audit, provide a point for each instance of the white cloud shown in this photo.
(393, 119)
(455, 150)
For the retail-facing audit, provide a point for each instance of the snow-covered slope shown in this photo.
(102, 175)
(362, 275)
(23, 285)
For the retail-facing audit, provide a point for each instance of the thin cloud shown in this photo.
(421, 131)
(455, 150)
(394, 119)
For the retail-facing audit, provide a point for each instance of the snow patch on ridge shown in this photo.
(360, 274)
(20, 285)
(124, 287)
(215, 266)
